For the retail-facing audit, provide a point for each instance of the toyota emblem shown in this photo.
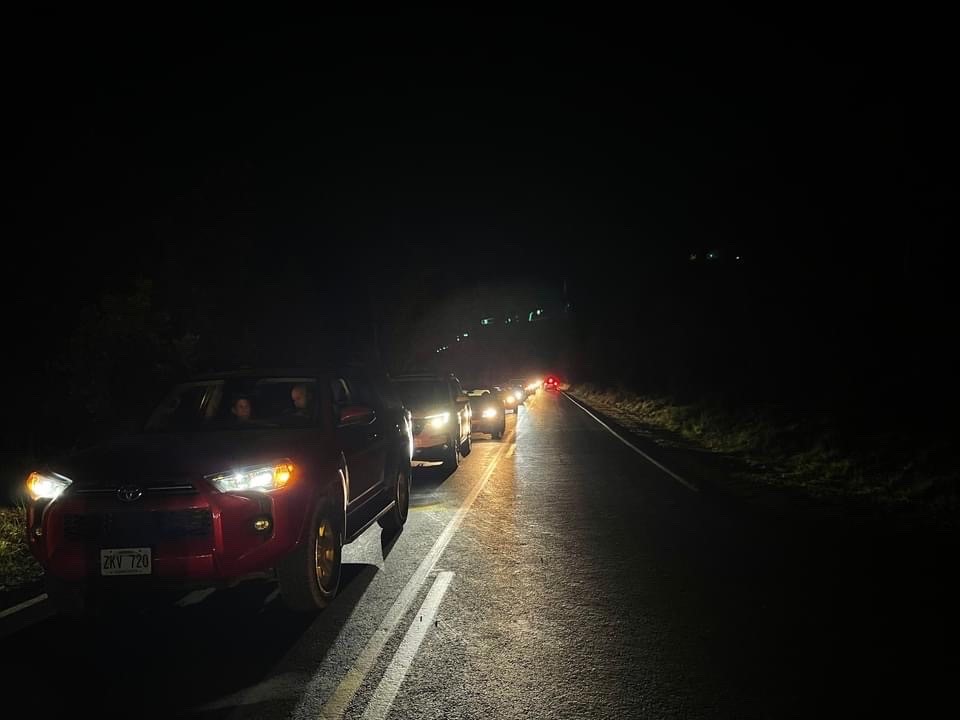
(129, 493)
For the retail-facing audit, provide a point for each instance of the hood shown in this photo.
(179, 457)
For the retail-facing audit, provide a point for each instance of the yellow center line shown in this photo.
(337, 704)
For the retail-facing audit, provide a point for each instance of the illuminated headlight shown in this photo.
(271, 476)
(46, 486)
(511, 399)
(516, 396)
(490, 413)
(439, 421)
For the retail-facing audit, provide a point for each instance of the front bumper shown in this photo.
(428, 445)
(196, 538)
(488, 425)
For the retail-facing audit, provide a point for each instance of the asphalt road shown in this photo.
(556, 574)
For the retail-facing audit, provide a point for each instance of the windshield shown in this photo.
(237, 403)
(420, 393)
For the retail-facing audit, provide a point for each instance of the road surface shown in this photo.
(558, 573)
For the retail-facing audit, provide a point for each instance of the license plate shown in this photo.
(125, 561)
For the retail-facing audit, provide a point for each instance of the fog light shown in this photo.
(261, 524)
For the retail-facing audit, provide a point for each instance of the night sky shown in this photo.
(313, 172)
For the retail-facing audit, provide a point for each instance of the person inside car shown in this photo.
(241, 408)
(302, 401)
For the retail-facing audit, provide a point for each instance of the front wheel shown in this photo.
(451, 457)
(310, 576)
(395, 519)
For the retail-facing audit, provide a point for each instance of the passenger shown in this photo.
(242, 409)
(302, 400)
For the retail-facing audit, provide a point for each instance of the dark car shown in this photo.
(518, 388)
(508, 397)
(488, 412)
(441, 416)
(234, 475)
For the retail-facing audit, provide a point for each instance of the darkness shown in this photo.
(371, 185)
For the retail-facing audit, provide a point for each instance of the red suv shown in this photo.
(234, 475)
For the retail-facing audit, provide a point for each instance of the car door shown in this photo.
(354, 442)
(462, 409)
(378, 433)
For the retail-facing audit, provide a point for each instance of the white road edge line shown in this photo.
(633, 447)
(389, 686)
(341, 697)
(23, 606)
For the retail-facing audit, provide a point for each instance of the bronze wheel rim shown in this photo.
(325, 554)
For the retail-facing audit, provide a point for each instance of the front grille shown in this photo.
(183, 489)
(139, 526)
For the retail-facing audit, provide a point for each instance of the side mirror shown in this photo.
(357, 415)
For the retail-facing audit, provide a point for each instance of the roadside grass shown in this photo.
(816, 452)
(17, 565)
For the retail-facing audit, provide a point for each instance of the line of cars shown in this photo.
(252, 473)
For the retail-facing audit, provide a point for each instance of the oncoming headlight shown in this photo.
(266, 477)
(490, 413)
(46, 486)
(440, 421)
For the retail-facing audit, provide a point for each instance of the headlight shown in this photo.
(490, 412)
(439, 421)
(510, 399)
(516, 396)
(46, 486)
(271, 476)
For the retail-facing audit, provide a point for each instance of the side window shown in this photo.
(362, 393)
(388, 394)
(339, 397)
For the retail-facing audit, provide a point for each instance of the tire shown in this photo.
(310, 576)
(467, 446)
(395, 519)
(452, 457)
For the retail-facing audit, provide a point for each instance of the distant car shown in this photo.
(551, 383)
(519, 389)
(488, 413)
(508, 397)
(442, 416)
(234, 475)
